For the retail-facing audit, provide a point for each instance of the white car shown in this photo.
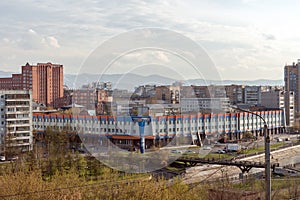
(220, 151)
(2, 158)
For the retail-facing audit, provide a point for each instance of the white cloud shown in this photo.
(6, 40)
(52, 41)
(30, 31)
(162, 57)
(33, 40)
(241, 35)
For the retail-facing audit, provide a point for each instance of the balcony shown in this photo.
(17, 119)
(20, 144)
(21, 131)
(18, 125)
(17, 106)
(22, 138)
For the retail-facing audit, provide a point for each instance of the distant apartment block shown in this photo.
(241, 94)
(201, 91)
(217, 91)
(267, 88)
(44, 79)
(194, 91)
(158, 94)
(91, 99)
(204, 105)
(276, 99)
(104, 100)
(85, 97)
(291, 82)
(237, 94)
(234, 93)
(273, 99)
(15, 121)
(99, 85)
(252, 95)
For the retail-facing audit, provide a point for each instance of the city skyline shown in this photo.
(245, 39)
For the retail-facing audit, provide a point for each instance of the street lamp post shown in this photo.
(141, 120)
(267, 153)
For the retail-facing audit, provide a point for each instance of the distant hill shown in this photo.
(129, 81)
(4, 74)
(120, 81)
(238, 82)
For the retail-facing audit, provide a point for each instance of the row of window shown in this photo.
(213, 123)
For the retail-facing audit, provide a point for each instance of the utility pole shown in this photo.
(267, 162)
(267, 153)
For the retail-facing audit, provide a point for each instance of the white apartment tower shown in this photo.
(15, 121)
(290, 108)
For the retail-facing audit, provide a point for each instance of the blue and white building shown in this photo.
(161, 130)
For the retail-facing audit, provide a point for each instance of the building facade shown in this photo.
(204, 104)
(104, 102)
(44, 79)
(234, 93)
(276, 99)
(252, 95)
(16, 121)
(161, 130)
(289, 103)
(273, 99)
(291, 82)
(85, 97)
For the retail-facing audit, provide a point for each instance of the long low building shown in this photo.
(160, 130)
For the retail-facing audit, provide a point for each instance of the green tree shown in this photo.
(57, 141)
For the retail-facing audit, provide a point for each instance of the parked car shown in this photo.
(2, 158)
(233, 147)
(220, 151)
(244, 148)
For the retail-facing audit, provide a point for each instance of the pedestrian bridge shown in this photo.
(244, 166)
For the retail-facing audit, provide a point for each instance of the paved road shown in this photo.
(204, 173)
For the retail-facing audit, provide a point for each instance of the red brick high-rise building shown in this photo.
(44, 79)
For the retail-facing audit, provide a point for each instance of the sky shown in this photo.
(245, 39)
